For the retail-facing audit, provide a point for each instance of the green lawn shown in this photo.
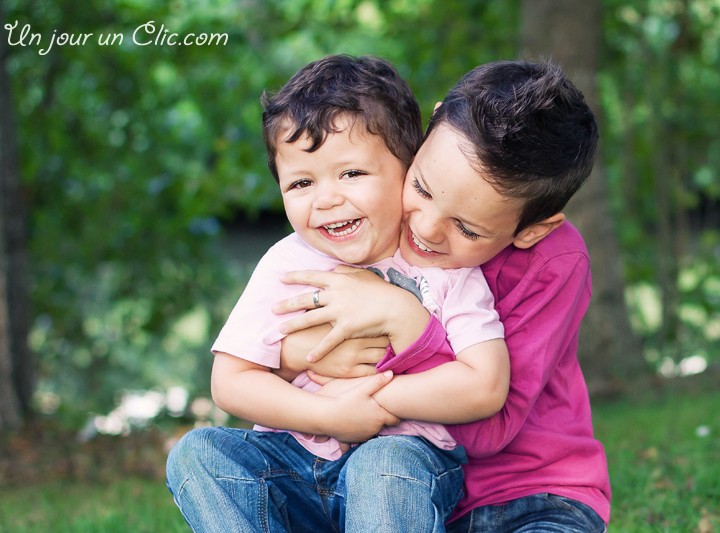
(132, 504)
(664, 459)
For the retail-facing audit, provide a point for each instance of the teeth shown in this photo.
(338, 224)
(419, 244)
(332, 227)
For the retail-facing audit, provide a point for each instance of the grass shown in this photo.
(663, 454)
(664, 461)
(131, 504)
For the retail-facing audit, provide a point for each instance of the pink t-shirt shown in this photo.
(459, 298)
(542, 439)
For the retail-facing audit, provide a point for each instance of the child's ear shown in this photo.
(438, 104)
(538, 231)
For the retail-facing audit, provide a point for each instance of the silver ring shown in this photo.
(316, 299)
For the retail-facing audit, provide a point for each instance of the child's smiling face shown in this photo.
(453, 217)
(343, 199)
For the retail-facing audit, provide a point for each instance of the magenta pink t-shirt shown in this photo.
(542, 440)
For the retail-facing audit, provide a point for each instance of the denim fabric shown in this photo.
(402, 483)
(540, 513)
(226, 480)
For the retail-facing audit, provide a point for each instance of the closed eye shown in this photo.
(466, 232)
(418, 188)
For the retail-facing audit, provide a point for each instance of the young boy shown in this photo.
(340, 136)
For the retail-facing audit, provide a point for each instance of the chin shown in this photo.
(354, 259)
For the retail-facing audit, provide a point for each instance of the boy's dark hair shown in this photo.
(367, 88)
(529, 131)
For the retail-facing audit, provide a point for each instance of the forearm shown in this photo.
(468, 389)
(405, 320)
(261, 397)
(358, 304)
(253, 393)
(352, 358)
(445, 395)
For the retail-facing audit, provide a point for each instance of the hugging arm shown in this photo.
(350, 359)
(552, 311)
(357, 303)
(534, 358)
(473, 386)
(251, 392)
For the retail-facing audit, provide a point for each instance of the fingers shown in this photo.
(346, 269)
(326, 345)
(306, 301)
(392, 420)
(318, 378)
(374, 383)
(361, 370)
(357, 371)
(316, 278)
(321, 280)
(306, 320)
(300, 302)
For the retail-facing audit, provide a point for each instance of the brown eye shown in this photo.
(300, 184)
(353, 174)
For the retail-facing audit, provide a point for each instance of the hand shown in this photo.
(357, 303)
(351, 358)
(356, 416)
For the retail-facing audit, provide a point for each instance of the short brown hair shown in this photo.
(529, 131)
(366, 88)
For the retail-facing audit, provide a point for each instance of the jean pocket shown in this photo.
(578, 509)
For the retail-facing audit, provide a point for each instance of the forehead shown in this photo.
(337, 123)
(348, 139)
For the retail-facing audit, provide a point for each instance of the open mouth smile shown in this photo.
(341, 229)
(423, 249)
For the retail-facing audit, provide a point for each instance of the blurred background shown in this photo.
(135, 198)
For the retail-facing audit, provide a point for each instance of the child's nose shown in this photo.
(327, 196)
(429, 226)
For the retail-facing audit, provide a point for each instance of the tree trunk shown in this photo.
(569, 33)
(16, 363)
(9, 405)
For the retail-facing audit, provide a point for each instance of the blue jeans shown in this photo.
(540, 513)
(238, 480)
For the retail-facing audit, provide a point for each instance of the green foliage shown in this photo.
(661, 155)
(134, 156)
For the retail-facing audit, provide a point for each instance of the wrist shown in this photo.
(323, 415)
(406, 322)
